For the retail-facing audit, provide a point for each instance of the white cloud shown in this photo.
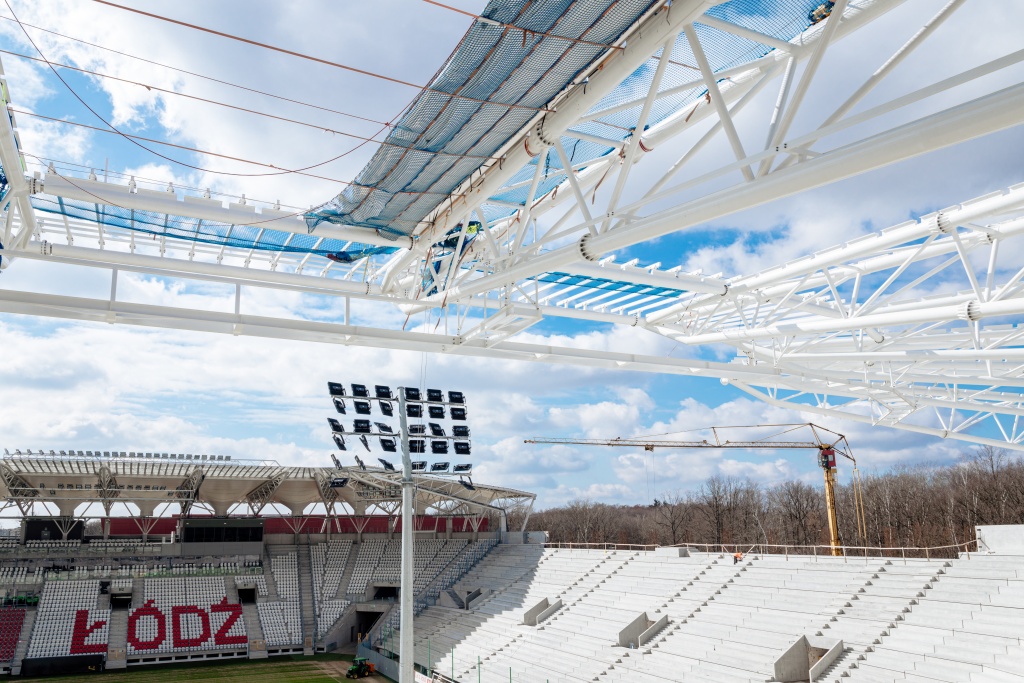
(93, 386)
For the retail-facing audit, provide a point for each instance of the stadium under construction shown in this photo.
(529, 193)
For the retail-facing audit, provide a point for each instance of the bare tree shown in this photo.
(674, 515)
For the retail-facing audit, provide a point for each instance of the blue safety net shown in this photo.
(441, 139)
(422, 166)
(609, 285)
(246, 237)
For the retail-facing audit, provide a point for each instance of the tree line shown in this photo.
(906, 506)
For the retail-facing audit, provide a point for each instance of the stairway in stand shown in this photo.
(346, 576)
(117, 641)
(306, 598)
(257, 643)
(26, 633)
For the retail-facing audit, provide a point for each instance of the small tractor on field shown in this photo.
(360, 668)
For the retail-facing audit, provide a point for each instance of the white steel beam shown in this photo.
(95, 191)
(967, 121)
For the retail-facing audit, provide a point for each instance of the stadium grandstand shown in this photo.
(193, 562)
(182, 566)
(493, 208)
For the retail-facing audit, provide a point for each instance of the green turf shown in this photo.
(289, 669)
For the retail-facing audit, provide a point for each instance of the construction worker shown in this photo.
(737, 557)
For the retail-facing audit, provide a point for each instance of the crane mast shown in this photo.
(827, 449)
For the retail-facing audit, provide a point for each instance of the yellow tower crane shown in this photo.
(825, 441)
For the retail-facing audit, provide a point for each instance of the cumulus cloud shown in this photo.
(89, 386)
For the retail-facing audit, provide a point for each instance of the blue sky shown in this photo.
(85, 386)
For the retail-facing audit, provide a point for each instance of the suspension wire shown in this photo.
(131, 138)
(275, 117)
(198, 75)
(526, 31)
(300, 55)
(196, 150)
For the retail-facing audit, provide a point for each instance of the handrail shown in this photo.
(764, 548)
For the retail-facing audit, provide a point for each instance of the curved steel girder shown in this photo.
(187, 493)
(258, 498)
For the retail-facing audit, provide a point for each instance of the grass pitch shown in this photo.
(289, 669)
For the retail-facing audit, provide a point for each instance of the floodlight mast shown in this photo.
(406, 650)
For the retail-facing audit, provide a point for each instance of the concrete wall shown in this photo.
(807, 658)
(1003, 539)
(221, 549)
(792, 665)
(541, 611)
(388, 667)
(827, 650)
(631, 635)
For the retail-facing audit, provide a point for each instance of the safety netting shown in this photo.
(247, 237)
(441, 140)
(444, 136)
(599, 293)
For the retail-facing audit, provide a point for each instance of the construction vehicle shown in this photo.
(361, 668)
(825, 441)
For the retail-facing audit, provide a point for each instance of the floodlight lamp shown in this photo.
(366, 444)
(456, 397)
(461, 431)
(388, 445)
(387, 409)
(435, 396)
(436, 412)
(418, 429)
(419, 465)
(439, 467)
(436, 429)
(464, 468)
(387, 466)
(335, 389)
(413, 410)
(339, 405)
(337, 463)
(362, 407)
(439, 447)
(339, 441)
(359, 461)
(458, 413)
(361, 427)
(384, 428)
(339, 482)
(417, 446)
(335, 426)
(360, 391)
(381, 391)
(462, 448)
(412, 394)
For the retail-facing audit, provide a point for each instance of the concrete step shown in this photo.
(117, 640)
(23, 640)
(306, 599)
(257, 643)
